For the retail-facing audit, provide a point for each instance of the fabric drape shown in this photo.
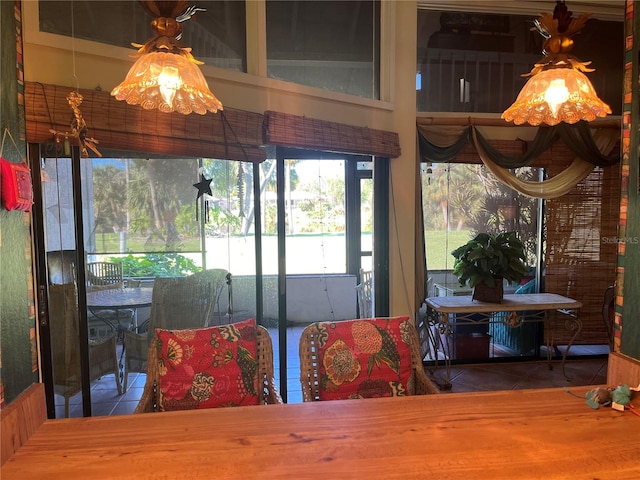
(443, 143)
(604, 140)
(577, 137)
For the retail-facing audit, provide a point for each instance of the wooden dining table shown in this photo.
(516, 434)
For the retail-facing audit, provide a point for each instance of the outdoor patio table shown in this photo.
(119, 299)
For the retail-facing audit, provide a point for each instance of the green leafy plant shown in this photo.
(488, 257)
(156, 265)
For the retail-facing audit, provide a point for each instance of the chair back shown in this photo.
(104, 274)
(177, 303)
(180, 302)
(65, 337)
(267, 391)
(314, 338)
(365, 294)
(215, 280)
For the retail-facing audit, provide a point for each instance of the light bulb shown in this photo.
(556, 94)
(169, 82)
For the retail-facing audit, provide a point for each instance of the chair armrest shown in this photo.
(423, 386)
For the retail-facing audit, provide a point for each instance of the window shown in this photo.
(149, 207)
(461, 200)
(315, 217)
(327, 44)
(473, 62)
(216, 35)
(143, 205)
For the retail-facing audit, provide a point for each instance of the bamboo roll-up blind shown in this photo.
(581, 249)
(119, 126)
(313, 134)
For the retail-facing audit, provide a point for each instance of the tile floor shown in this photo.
(591, 369)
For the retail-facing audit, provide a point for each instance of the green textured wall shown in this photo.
(630, 261)
(17, 319)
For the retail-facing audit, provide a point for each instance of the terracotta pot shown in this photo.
(484, 293)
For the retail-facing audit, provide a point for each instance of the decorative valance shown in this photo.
(314, 134)
(590, 150)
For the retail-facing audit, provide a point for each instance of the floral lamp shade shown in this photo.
(166, 76)
(557, 90)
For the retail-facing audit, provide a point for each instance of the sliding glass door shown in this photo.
(295, 233)
(313, 246)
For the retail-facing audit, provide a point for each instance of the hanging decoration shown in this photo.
(79, 130)
(204, 188)
(17, 189)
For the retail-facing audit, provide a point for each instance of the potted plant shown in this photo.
(486, 260)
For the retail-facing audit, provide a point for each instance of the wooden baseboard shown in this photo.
(21, 418)
(623, 370)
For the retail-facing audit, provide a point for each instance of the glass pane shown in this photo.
(57, 198)
(230, 233)
(142, 206)
(366, 216)
(315, 213)
(461, 200)
(216, 35)
(65, 318)
(327, 44)
(474, 62)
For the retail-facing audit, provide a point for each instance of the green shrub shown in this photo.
(156, 265)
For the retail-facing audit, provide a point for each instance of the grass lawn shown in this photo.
(439, 247)
(238, 253)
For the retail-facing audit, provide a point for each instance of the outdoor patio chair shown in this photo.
(365, 294)
(177, 303)
(104, 274)
(360, 359)
(244, 377)
(64, 325)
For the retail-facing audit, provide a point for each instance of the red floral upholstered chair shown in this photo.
(363, 358)
(223, 366)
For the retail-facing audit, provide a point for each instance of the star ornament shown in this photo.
(203, 186)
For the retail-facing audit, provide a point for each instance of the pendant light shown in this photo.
(166, 76)
(558, 90)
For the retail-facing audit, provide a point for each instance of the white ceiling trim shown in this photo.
(612, 10)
